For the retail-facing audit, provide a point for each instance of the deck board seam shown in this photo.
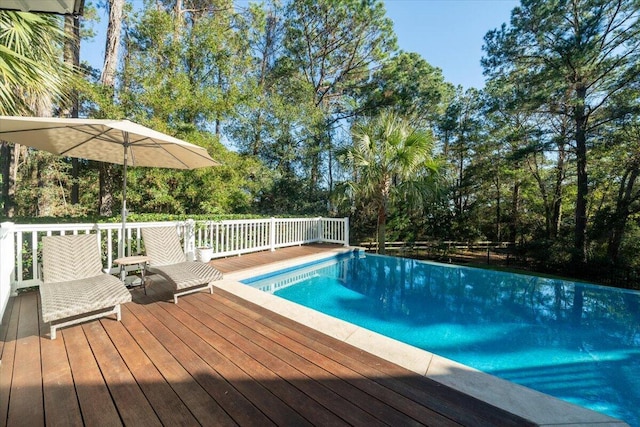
(351, 370)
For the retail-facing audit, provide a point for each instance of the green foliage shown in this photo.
(30, 69)
(391, 163)
(410, 86)
(577, 58)
(133, 217)
(327, 116)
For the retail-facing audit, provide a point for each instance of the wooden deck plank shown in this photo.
(10, 323)
(211, 360)
(241, 409)
(133, 406)
(4, 325)
(200, 403)
(274, 378)
(96, 404)
(26, 405)
(61, 405)
(331, 390)
(427, 392)
(165, 402)
(261, 396)
(374, 392)
(251, 260)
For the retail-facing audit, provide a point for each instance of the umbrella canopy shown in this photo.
(66, 7)
(112, 141)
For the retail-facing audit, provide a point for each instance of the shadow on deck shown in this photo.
(210, 360)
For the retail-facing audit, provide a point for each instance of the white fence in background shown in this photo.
(20, 244)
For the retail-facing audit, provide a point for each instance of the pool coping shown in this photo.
(537, 407)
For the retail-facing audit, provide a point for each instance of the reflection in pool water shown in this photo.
(575, 341)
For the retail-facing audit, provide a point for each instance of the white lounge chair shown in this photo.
(74, 288)
(162, 245)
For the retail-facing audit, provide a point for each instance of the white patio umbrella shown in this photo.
(112, 141)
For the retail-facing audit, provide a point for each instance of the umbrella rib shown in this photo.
(161, 145)
(91, 136)
(6, 132)
(76, 128)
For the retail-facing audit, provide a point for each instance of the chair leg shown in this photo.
(118, 313)
(52, 333)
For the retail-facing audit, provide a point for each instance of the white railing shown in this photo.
(20, 253)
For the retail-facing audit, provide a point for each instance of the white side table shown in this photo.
(140, 260)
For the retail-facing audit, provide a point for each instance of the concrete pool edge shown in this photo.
(532, 405)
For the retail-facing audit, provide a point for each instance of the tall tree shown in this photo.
(71, 56)
(620, 156)
(108, 80)
(587, 49)
(411, 87)
(391, 163)
(459, 129)
(30, 70)
(334, 45)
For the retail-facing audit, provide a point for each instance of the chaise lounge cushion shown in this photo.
(66, 299)
(162, 245)
(187, 274)
(73, 281)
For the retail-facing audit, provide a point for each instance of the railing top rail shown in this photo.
(316, 218)
(89, 226)
(237, 221)
(115, 225)
(55, 227)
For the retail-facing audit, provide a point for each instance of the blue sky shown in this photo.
(449, 34)
(446, 33)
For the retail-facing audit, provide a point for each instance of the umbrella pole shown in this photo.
(124, 197)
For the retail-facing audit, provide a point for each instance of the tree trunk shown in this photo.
(458, 202)
(382, 230)
(44, 204)
(8, 162)
(580, 242)
(542, 186)
(498, 209)
(330, 178)
(556, 211)
(107, 186)
(383, 205)
(107, 78)
(72, 57)
(112, 46)
(622, 212)
(515, 213)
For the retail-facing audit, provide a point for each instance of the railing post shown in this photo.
(346, 231)
(7, 264)
(272, 234)
(320, 229)
(190, 239)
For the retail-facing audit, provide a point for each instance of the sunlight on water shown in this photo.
(575, 341)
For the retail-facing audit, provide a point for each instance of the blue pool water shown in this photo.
(574, 341)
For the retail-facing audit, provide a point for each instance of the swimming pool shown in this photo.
(574, 341)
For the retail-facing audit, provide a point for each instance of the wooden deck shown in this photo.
(210, 360)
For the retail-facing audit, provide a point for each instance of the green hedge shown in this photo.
(134, 217)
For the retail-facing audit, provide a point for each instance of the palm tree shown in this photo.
(32, 77)
(391, 162)
(31, 66)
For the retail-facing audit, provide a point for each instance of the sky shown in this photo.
(447, 33)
